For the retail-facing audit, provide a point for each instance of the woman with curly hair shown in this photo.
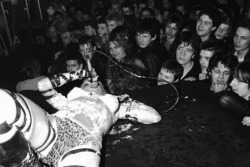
(118, 78)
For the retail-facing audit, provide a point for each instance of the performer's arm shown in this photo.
(46, 86)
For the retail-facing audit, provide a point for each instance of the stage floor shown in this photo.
(193, 134)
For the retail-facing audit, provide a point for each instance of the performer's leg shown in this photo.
(86, 156)
(137, 111)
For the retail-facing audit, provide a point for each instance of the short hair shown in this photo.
(244, 24)
(188, 38)
(177, 18)
(149, 26)
(213, 14)
(152, 13)
(101, 20)
(72, 53)
(214, 46)
(128, 5)
(242, 72)
(87, 40)
(173, 67)
(228, 60)
(77, 57)
(228, 21)
(90, 23)
(117, 17)
(122, 35)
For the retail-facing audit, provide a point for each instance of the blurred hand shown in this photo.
(218, 87)
(203, 76)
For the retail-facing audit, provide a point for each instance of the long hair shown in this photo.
(242, 72)
(188, 38)
(128, 77)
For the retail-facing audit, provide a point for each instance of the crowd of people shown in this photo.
(140, 44)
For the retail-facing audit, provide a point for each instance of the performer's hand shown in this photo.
(93, 75)
(246, 121)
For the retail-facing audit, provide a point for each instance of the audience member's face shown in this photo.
(166, 4)
(86, 51)
(141, 5)
(58, 18)
(196, 14)
(145, 14)
(241, 88)
(53, 33)
(143, 40)
(88, 30)
(204, 26)
(118, 52)
(151, 4)
(116, 8)
(205, 56)
(111, 25)
(241, 39)
(102, 29)
(181, 8)
(184, 54)
(220, 75)
(73, 65)
(165, 75)
(222, 31)
(165, 14)
(162, 34)
(66, 38)
(126, 11)
(171, 30)
(79, 15)
(40, 40)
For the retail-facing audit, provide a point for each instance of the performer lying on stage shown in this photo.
(71, 137)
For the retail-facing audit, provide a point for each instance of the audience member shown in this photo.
(208, 22)
(221, 67)
(90, 28)
(113, 20)
(185, 51)
(74, 62)
(174, 25)
(102, 34)
(128, 76)
(128, 13)
(119, 47)
(151, 52)
(89, 53)
(171, 71)
(207, 50)
(146, 12)
(237, 101)
(242, 41)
